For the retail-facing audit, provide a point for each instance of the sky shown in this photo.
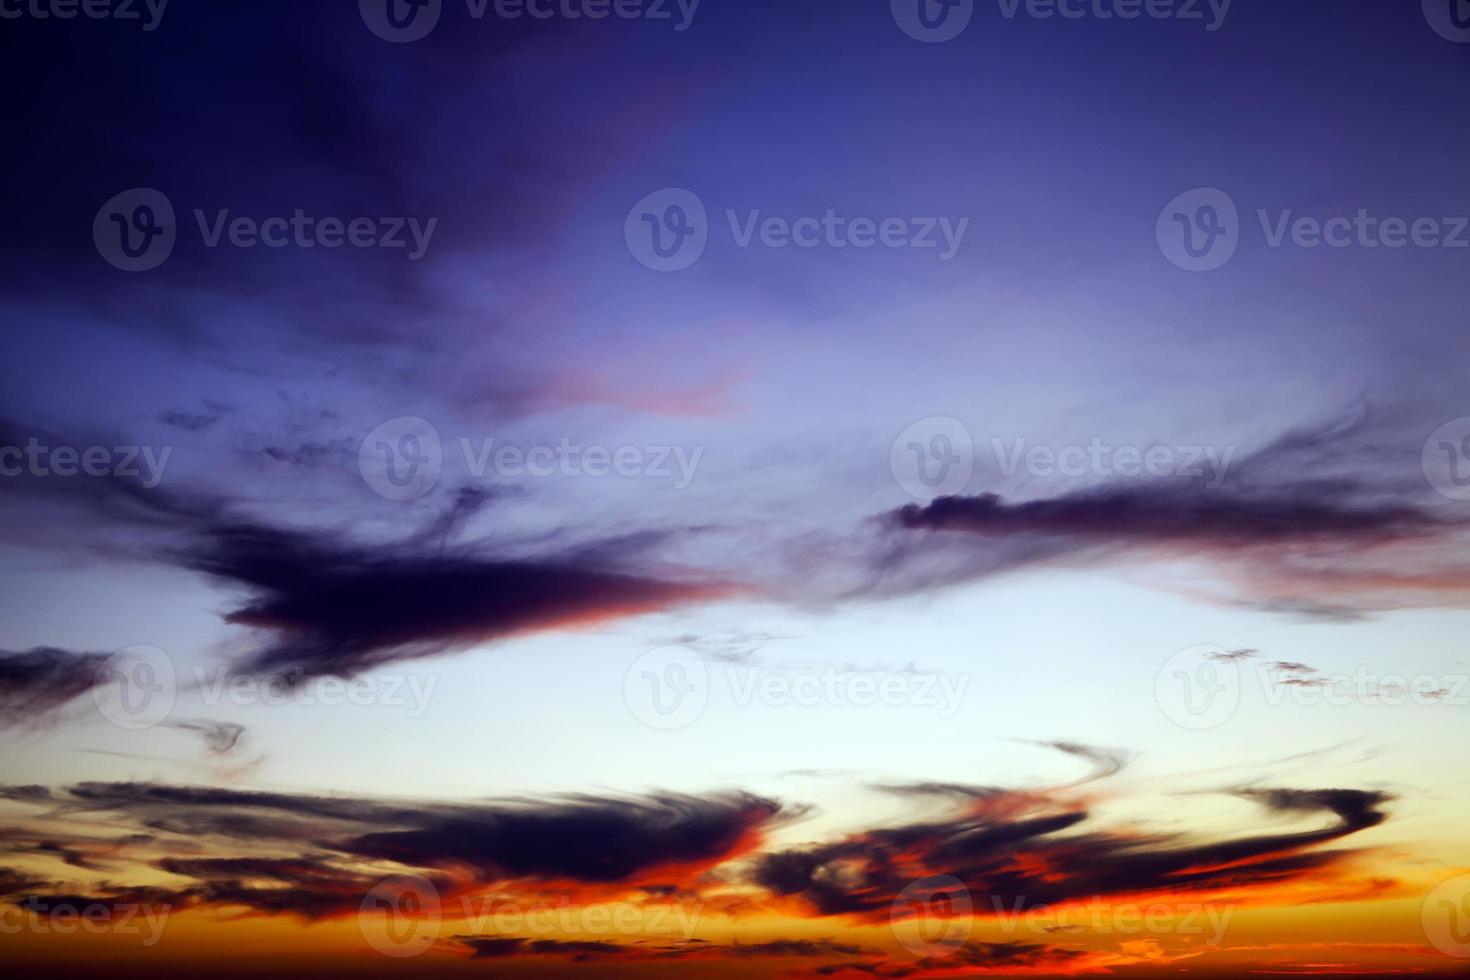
(735, 489)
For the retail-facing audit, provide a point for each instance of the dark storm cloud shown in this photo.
(37, 683)
(308, 887)
(1172, 512)
(326, 605)
(1034, 859)
(332, 608)
(1025, 850)
(592, 840)
(1310, 525)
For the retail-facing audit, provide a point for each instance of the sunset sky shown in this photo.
(740, 488)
